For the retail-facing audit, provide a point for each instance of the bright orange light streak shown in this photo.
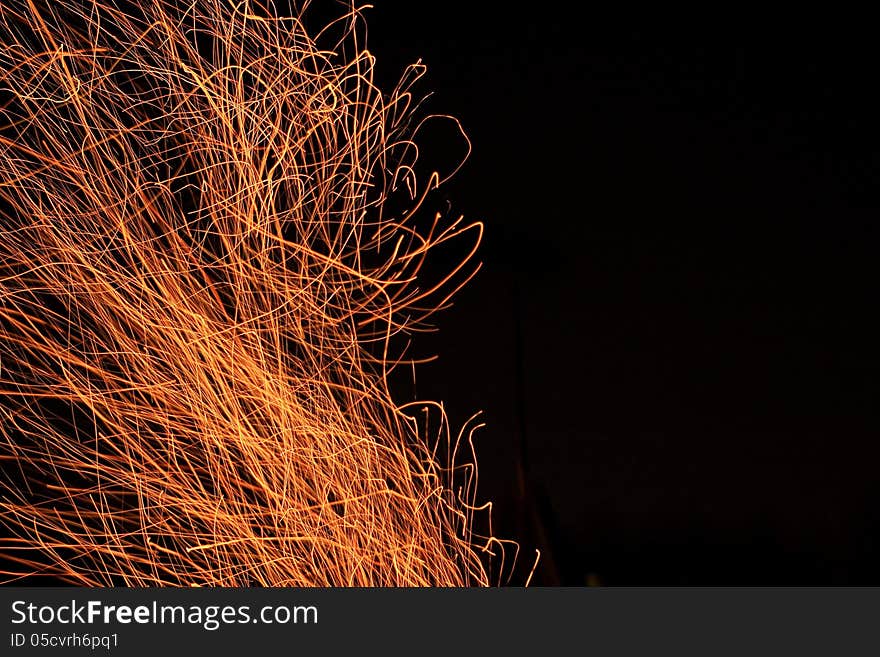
(210, 244)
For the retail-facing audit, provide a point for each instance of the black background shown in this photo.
(675, 313)
(673, 334)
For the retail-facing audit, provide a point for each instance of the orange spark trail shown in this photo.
(210, 251)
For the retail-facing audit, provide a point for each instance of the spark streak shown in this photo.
(210, 246)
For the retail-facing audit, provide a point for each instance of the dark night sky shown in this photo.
(692, 235)
(685, 241)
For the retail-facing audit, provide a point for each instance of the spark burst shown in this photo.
(209, 247)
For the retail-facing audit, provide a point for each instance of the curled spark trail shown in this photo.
(210, 249)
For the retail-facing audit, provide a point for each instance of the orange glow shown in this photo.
(211, 252)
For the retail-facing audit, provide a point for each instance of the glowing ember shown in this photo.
(208, 252)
